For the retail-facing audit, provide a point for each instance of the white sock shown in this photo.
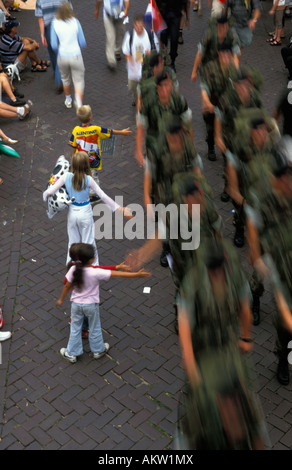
(68, 98)
(20, 111)
(78, 101)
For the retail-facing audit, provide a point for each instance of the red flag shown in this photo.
(153, 19)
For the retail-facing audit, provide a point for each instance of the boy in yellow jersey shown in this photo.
(87, 136)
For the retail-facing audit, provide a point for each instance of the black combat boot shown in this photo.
(239, 237)
(211, 153)
(224, 196)
(163, 259)
(283, 370)
(256, 309)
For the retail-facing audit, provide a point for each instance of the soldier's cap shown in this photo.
(256, 122)
(161, 78)
(222, 19)
(154, 58)
(173, 124)
(241, 75)
(188, 185)
(224, 46)
(215, 257)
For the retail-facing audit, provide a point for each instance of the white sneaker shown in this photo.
(5, 335)
(63, 352)
(68, 103)
(98, 355)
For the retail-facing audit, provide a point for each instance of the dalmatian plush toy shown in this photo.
(60, 200)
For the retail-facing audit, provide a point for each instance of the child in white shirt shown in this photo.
(136, 45)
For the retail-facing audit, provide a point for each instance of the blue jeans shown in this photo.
(53, 57)
(78, 312)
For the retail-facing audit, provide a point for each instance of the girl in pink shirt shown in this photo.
(83, 282)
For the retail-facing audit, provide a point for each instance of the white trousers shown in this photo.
(115, 32)
(72, 66)
(80, 228)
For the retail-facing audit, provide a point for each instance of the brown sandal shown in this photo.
(38, 68)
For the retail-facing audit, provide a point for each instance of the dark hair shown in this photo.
(225, 46)
(154, 58)
(139, 17)
(256, 122)
(161, 78)
(222, 19)
(84, 253)
(73, 253)
(215, 257)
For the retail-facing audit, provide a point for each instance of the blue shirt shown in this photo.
(46, 9)
(80, 196)
(10, 48)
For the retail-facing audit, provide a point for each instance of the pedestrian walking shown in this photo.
(171, 11)
(67, 40)
(80, 224)
(45, 11)
(84, 280)
(245, 16)
(115, 14)
(137, 43)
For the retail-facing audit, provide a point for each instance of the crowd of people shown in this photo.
(216, 302)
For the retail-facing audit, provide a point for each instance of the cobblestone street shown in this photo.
(128, 400)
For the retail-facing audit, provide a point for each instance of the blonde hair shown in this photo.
(64, 12)
(84, 113)
(80, 168)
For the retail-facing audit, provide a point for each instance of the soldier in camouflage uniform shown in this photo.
(153, 66)
(172, 166)
(219, 30)
(173, 158)
(240, 93)
(214, 78)
(161, 102)
(269, 219)
(220, 410)
(189, 189)
(254, 148)
(156, 107)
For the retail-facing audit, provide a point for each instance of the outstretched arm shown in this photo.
(54, 187)
(122, 132)
(140, 273)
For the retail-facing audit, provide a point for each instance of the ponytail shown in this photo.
(84, 252)
(78, 274)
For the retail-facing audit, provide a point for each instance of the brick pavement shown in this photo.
(128, 399)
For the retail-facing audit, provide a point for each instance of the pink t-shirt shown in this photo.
(89, 293)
